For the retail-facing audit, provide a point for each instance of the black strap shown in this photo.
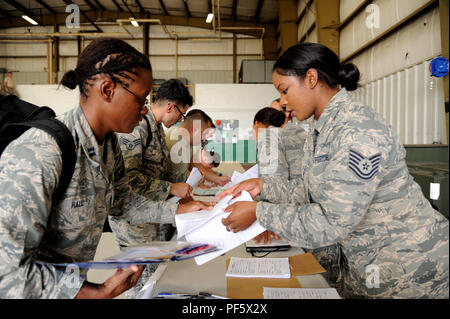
(64, 138)
(150, 134)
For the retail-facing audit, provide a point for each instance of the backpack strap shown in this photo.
(150, 134)
(64, 138)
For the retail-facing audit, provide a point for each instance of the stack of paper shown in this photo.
(237, 177)
(259, 268)
(207, 227)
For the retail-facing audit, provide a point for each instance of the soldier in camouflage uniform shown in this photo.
(282, 164)
(114, 79)
(393, 244)
(147, 166)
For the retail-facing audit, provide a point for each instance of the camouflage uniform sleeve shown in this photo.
(274, 172)
(30, 167)
(134, 207)
(340, 198)
(132, 149)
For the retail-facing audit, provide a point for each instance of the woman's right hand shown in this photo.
(253, 186)
(121, 281)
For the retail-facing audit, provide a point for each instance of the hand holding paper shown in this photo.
(252, 186)
(211, 229)
(194, 178)
(243, 215)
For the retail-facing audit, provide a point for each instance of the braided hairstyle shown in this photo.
(109, 56)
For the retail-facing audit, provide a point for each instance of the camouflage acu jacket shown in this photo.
(32, 227)
(363, 198)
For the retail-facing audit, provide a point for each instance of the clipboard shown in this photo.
(252, 288)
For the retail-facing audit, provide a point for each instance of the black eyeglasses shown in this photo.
(184, 116)
(146, 101)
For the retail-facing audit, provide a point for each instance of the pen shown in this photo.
(206, 294)
(168, 295)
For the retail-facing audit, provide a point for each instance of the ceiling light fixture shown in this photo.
(134, 22)
(29, 19)
(209, 17)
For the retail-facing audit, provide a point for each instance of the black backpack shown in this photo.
(17, 116)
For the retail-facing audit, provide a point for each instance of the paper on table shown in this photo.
(194, 178)
(259, 268)
(300, 293)
(213, 231)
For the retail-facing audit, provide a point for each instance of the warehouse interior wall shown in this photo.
(392, 42)
(198, 60)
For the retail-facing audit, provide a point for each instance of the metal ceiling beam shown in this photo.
(258, 10)
(20, 7)
(141, 8)
(85, 16)
(233, 9)
(128, 8)
(46, 6)
(188, 13)
(102, 8)
(3, 13)
(89, 3)
(161, 2)
(117, 6)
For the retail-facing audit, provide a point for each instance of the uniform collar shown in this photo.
(332, 108)
(88, 140)
(154, 127)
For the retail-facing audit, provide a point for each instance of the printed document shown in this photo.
(259, 268)
(300, 293)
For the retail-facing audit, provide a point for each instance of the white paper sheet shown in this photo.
(213, 231)
(190, 221)
(194, 178)
(300, 293)
(259, 268)
(237, 177)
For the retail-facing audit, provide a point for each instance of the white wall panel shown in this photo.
(408, 102)
(346, 7)
(410, 45)
(356, 33)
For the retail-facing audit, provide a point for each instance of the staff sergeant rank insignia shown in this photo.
(364, 168)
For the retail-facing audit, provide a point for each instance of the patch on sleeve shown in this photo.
(364, 168)
(130, 144)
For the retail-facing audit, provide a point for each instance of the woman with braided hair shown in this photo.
(114, 80)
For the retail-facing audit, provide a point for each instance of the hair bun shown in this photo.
(349, 76)
(278, 119)
(70, 79)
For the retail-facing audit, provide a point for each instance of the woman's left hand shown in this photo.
(243, 215)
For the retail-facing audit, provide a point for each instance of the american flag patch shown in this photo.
(364, 168)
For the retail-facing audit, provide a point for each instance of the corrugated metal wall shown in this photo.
(411, 101)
